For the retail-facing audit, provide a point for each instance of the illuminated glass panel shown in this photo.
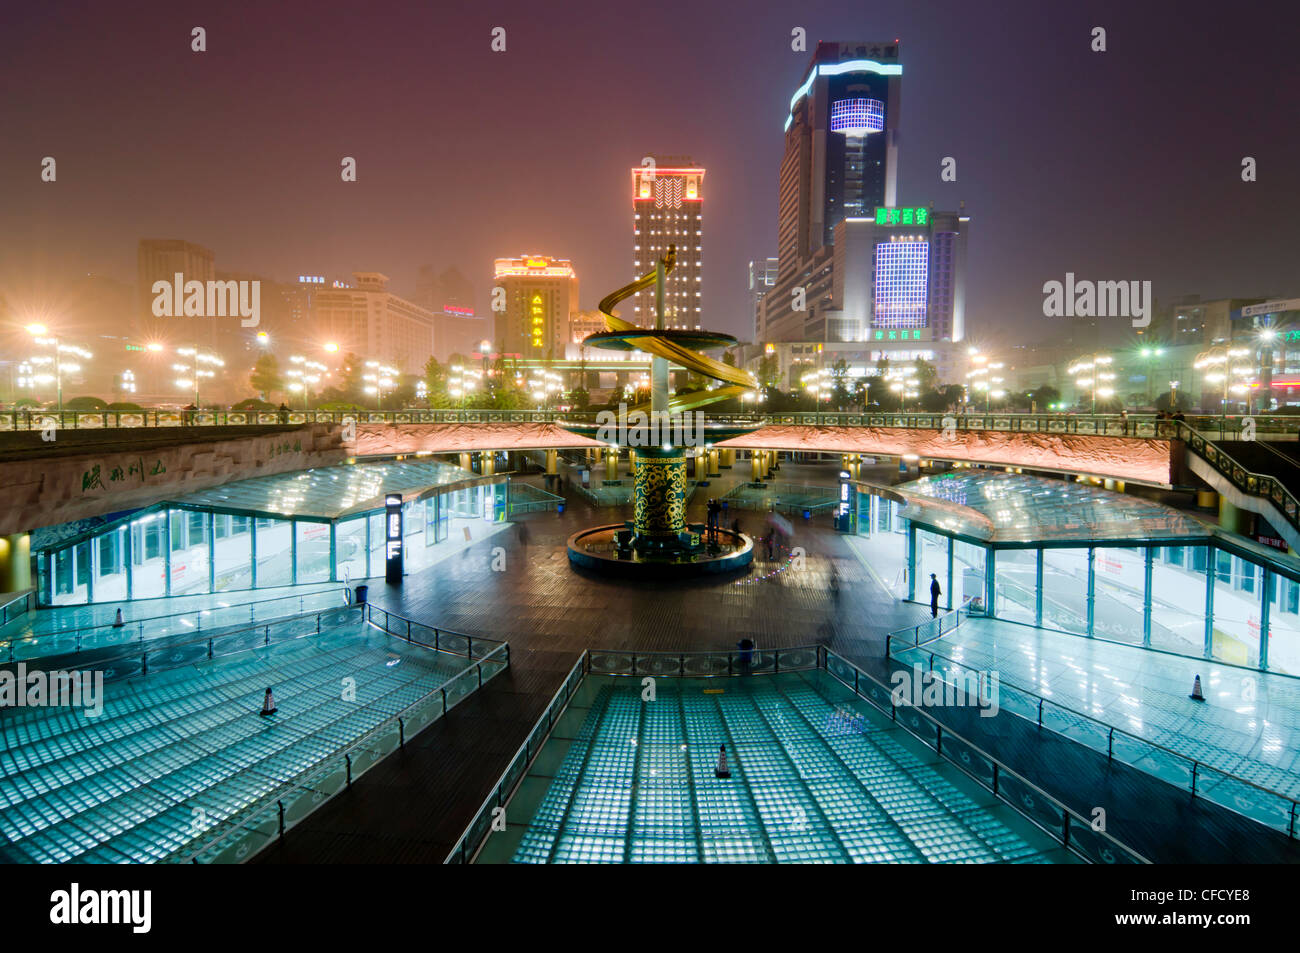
(857, 117)
(902, 273)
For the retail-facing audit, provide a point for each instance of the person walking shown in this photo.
(935, 592)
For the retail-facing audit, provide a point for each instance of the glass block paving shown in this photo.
(56, 630)
(1249, 725)
(817, 776)
(189, 745)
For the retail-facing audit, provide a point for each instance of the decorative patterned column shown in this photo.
(659, 500)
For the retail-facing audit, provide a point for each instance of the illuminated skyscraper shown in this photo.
(541, 294)
(667, 209)
(841, 145)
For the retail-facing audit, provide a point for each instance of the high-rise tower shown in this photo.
(667, 206)
(841, 146)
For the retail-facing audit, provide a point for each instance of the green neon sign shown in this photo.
(902, 216)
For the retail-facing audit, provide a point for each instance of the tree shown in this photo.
(435, 380)
(1043, 397)
(266, 378)
(926, 375)
(769, 371)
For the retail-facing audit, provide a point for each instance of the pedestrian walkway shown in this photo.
(815, 775)
(1249, 725)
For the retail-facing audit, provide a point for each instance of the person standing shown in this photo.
(935, 592)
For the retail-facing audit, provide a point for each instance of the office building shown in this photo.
(540, 296)
(667, 209)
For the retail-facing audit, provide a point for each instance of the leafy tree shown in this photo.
(1044, 396)
(266, 379)
(769, 371)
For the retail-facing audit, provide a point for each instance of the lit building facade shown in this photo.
(541, 295)
(368, 320)
(667, 209)
(841, 146)
(762, 276)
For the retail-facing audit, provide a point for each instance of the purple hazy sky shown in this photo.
(1116, 165)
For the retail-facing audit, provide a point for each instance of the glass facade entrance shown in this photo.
(187, 549)
(1214, 597)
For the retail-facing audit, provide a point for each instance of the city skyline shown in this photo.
(445, 194)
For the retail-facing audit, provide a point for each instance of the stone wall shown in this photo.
(44, 491)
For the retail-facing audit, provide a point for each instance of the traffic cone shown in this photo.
(1196, 694)
(268, 704)
(119, 621)
(722, 770)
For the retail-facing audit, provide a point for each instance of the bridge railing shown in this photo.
(1112, 425)
(1262, 486)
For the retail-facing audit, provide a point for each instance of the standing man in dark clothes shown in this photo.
(935, 592)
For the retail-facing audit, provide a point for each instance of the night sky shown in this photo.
(1116, 165)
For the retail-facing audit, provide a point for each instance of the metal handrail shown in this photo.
(131, 649)
(470, 640)
(936, 622)
(81, 630)
(18, 420)
(298, 782)
(464, 850)
(1265, 487)
(1000, 768)
(1196, 764)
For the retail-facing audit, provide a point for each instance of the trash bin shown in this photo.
(362, 592)
(559, 507)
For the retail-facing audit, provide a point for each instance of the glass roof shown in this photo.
(1013, 508)
(329, 492)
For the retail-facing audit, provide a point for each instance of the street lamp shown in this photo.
(201, 366)
(1148, 354)
(306, 374)
(41, 333)
(983, 378)
(381, 377)
(1223, 366)
(1099, 377)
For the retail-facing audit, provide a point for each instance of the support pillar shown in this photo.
(631, 463)
(487, 462)
(1207, 499)
(611, 464)
(1231, 517)
(727, 458)
(466, 462)
(755, 466)
(551, 459)
(713, 464)
(15, 562)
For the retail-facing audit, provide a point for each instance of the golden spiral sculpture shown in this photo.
(661, 344)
